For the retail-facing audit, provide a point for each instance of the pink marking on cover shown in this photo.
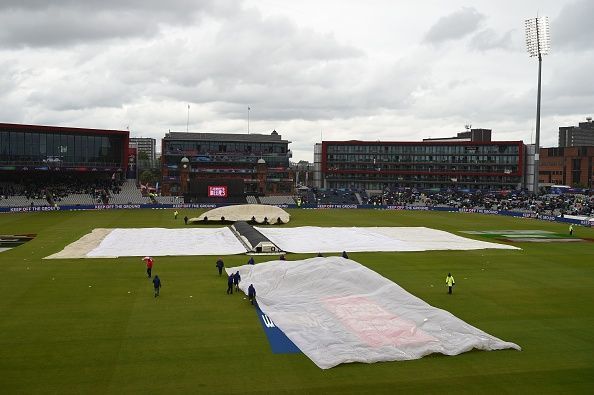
(374, 325)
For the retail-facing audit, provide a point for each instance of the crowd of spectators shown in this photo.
(520, 201)
(551, 204)
(54, 190)
(330, 196)
(101, 187)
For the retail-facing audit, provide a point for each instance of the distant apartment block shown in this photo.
(146, 145)
(577, 136)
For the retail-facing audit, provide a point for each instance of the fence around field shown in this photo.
(583, 222)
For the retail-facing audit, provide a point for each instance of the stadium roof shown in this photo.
(58, 129)
(254, 138)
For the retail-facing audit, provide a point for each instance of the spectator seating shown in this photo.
(130, 194)
(277, 200)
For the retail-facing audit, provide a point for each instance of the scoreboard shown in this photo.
(217, 191)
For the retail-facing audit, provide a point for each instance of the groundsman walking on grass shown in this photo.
(450, 282)
(157, 285)
(236, 280)
(230, 284)
(220, 265)
(149, 265)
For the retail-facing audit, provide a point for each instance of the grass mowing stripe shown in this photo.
(62, 336)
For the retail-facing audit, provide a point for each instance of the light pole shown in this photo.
(249, 119)
(188, 122)
(538, 43)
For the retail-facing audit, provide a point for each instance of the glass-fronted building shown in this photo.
(260, 161)
(34, 147)
(431, 164)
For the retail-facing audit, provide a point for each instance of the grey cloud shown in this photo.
(291, 72)
(454, 26)
(46, 24)
(488, 39)
(10, 97)
(87, 90)
(573, 29)
(93, 5)
(571, 87)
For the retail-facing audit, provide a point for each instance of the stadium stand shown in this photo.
(21, 201)
(331, 196)
(71, 191)
(130, 194)
(277, 200)
(578, 204)
(169, 199)
(252, 199)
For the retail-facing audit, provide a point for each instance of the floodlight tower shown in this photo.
(538, 43)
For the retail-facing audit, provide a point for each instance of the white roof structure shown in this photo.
(244, 212)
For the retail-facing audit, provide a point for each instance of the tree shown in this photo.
(147, 176)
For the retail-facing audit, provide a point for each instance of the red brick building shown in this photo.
(573, 166)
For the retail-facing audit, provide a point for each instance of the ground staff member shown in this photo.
(149, 265)
(252, 293)
(230, 284)
(157, 285)
(450, 282)
(220, 265)
(236, 280)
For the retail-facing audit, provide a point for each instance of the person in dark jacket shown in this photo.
(252, 293)
(345, 255)
(157, 285)
(230, 284)
(220, 265)
(251, 261)
(186, 220)
(236, 280)
(282, 258)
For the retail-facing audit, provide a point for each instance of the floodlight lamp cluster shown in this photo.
(538, 36)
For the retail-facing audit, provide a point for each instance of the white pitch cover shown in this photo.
(338, 311)
(162, 242)
(313, 239)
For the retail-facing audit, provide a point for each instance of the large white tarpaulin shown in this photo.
(337, 311)
(161, 242)
(312, 239)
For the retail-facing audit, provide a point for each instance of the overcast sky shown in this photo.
(311, 69)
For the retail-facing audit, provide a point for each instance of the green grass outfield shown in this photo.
(58, 335)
